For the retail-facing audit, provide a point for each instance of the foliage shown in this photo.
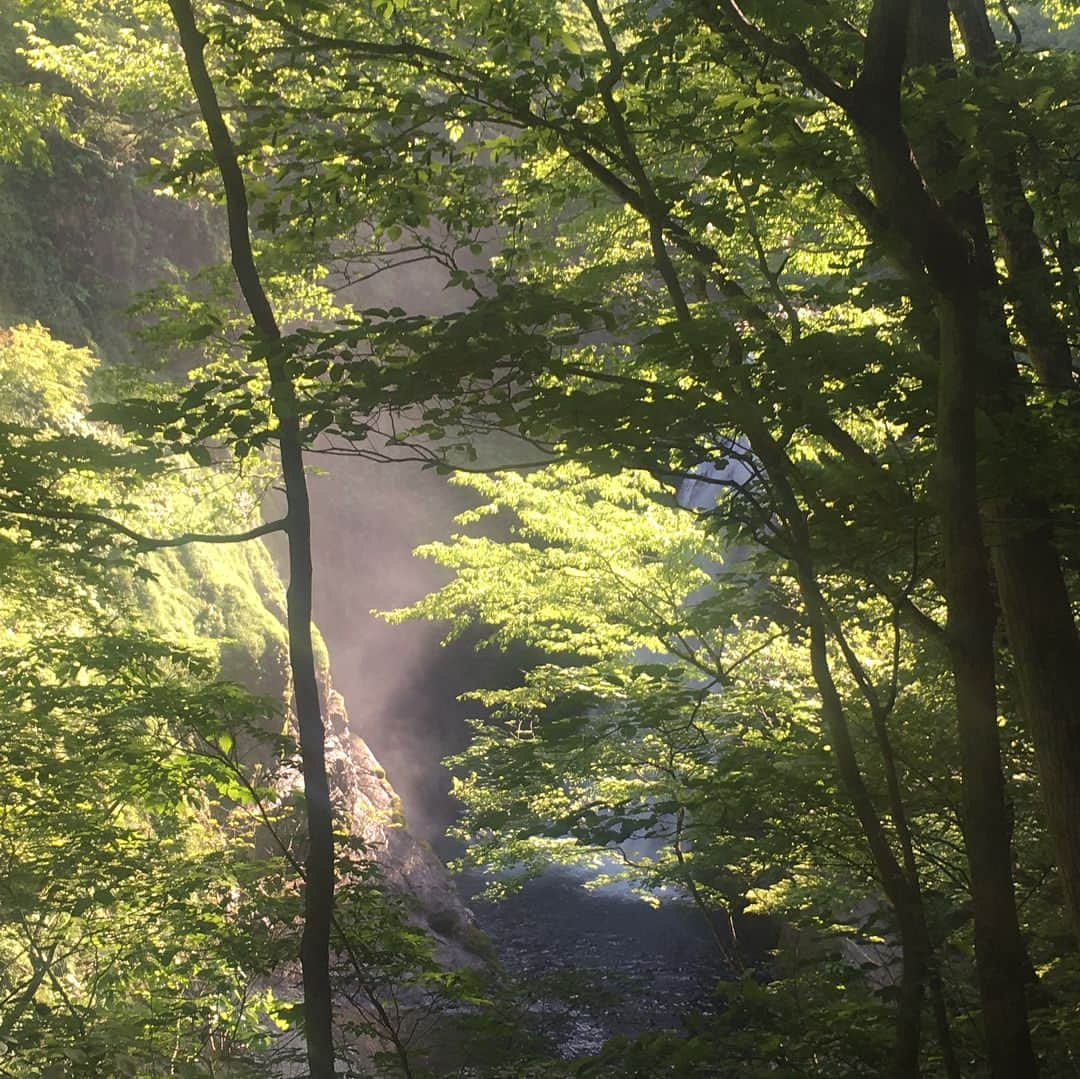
(150, 903)
(678, 259)
(673, 740)
(128, 885)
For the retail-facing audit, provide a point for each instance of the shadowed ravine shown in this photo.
(647, 967)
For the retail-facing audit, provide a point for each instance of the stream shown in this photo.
(629, 966)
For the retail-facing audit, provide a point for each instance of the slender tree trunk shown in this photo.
(901, 889)
(319, 866)
(897, 888)
(999, 947)
(1034, 598)
(1067, 255)
(902, 893)
(920, 954)
(1029, 275)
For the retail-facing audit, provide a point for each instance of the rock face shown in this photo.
(87, 239)
(82, 238)
(373, 809)
(233, 597)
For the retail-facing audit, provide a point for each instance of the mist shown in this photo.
(400, 682)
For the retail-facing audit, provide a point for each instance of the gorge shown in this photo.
(538, 539)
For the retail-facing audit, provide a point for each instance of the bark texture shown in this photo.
(1031, 587)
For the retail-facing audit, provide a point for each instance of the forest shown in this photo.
(650, 428)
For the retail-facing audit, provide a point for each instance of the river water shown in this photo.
(600, 962)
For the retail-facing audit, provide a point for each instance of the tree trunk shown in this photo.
(902, 892)
(931, 249)
(1043, 640)
(319, 866)
(1031, 588)
(932, 237)
(901, 889)
(999, 948)
(920, 961)
(1030, 282)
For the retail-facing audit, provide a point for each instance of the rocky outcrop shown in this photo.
(372, 807)
(86, 238)
(233, 598)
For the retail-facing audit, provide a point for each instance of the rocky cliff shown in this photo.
(84, 237)
(233, 599)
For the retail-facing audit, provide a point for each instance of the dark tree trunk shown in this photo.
(950, 262)
(999, 947)
(952, 268)
(319, 867)
(1030, 282)
(933, 249)
(1043, 640)
(1031, 588)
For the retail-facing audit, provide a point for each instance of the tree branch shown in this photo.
(152, 543)
(793, 51)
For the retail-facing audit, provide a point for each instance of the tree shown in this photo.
(673, 739)
(319, 876)
(191, 320)
(131, 904)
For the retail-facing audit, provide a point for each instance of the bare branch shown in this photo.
(151, 543)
